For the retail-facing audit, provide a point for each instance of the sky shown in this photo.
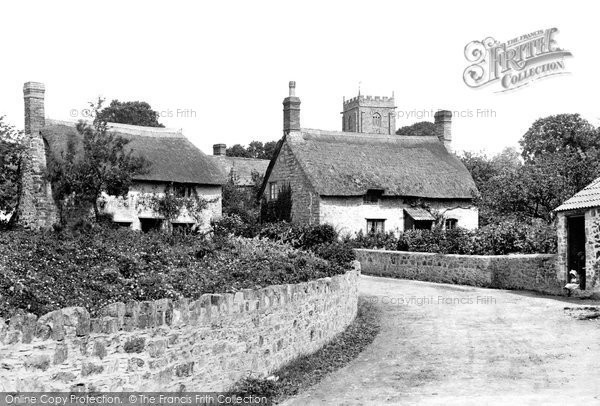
(220, 70)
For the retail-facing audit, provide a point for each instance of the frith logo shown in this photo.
(515, 63)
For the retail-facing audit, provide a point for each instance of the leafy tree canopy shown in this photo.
(561, 133)
(133, 112)
(96, 161)
(11, 148)
(422, 128)
(560, 156)
(255, 149)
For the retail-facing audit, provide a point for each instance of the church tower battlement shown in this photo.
(369, 114)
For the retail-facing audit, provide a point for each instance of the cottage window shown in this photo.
(150, 224)
(273, 191)
(451, 224)
(182, 228)
(376, 120)
(183, 190)
(375, 225)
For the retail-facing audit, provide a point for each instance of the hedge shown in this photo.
(509, 236)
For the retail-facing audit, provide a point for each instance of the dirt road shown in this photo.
(448, 344)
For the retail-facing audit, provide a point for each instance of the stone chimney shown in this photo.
(219, 149)
(35, 118)
(291, 111)
(36, 207)
(443, 127)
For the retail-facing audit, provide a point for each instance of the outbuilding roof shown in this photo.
(589, 196)
(172, 156)
(419, 213)
(349, 164)
(241, 168)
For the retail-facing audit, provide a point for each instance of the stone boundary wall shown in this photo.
(537, 272)
(175, 345)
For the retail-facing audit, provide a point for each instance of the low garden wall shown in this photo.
(535, 272)
(175, 345)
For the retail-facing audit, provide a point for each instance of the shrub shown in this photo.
(386, 241)
(506, 237)
(336, 252)
(45, 271)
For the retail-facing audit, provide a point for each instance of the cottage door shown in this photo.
(576, 247)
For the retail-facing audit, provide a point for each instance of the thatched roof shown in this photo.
(172, 156)
(349, 164)
(587, 197)
(241, 168)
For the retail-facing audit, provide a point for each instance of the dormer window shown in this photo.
(372, 196)
(376, 120)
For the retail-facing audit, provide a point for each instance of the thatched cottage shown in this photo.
(578, 231)
(366, 177)
(174, 163)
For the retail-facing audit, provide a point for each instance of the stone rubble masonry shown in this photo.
(36, 205)
(592, 246)
(535, 272)
(175, 345)
(305, 201)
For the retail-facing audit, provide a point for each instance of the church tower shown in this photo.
(368, 114)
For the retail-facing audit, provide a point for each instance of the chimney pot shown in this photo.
(291, 111)
(219, 149)
(443, 127)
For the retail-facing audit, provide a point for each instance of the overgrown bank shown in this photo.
(44, 271)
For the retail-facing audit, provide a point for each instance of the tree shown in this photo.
(561, 133)
(237, 151)
(242, 201)
(422, 128)
(562, 156)
(134, 113)
(255, 149)
(95, 161)
(12, 147)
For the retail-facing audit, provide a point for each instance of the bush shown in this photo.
(336, 252)
(506, 237)
(45, 271)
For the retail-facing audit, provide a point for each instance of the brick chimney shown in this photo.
(291, 111)
(36, 207)
(443, 127)
(219, 149)
(35, 118)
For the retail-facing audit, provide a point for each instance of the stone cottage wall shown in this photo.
(592, 246)
(528, 272)
(349, 214)
(175, 345)
(129, 210)
(305, 202)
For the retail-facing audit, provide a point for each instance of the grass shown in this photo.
(309, 370)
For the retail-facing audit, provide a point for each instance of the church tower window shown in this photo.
(376, 120)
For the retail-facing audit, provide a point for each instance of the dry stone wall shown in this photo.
(537, 272)
(175, 345)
